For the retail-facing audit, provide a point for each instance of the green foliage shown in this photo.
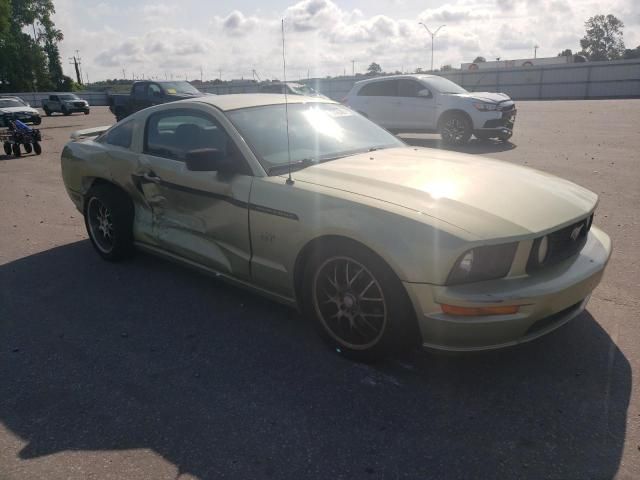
(479, 59)
(603, 38)
(630, 53)
(566, 53)
(374, 69)
(30, 61)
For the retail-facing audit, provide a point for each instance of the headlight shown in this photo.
(483, 263)
(543, 249)
(485, 107)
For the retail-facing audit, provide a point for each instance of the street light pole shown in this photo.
(433, 36)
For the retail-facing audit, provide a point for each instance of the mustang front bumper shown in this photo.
(547, 300)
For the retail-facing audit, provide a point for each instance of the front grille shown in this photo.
(563, 243)
(506, 108)
(546, 322)
(79, 104)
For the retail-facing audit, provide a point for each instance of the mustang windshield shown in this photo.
(317, 132)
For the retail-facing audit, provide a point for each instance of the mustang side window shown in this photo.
(174, 133)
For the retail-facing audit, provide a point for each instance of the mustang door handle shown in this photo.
(151, 177)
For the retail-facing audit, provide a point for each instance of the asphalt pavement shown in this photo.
(148, 370)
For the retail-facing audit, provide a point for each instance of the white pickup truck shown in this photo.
(429, 103)
(65, 103)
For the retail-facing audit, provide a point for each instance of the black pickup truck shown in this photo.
(147, 93)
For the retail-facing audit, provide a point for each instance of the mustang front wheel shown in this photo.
(359, 305)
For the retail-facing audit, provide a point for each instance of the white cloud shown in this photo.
(322, 35)
(236, 23)
(310, 15)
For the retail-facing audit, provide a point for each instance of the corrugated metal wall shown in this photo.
(35, 98)
(614, 79)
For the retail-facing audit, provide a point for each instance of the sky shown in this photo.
(230, 40)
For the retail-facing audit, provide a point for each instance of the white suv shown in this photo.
(428, 103)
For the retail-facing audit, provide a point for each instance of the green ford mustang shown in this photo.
(381, 244)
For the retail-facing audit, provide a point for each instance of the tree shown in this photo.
(446, 68)
(29, 62)
(419, 70)
(603, 38)
(479, 59)
(374, 69)
(566, 53)
(630, 53)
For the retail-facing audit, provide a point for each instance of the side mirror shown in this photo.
(208, 160)
(425, 93)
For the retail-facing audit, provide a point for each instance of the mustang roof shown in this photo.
(245, 100)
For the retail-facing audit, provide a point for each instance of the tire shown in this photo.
(37, 148)
(47, 112)
(7, 148)
(16, 150)
(108, 217)
(455, 129)
(86, 112)
(484, 136)
(357, 303)
(37, 121)
(65, 111)
(119, 114)
(27, 148)
(504, 137)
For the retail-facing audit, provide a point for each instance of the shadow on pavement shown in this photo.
(145, 354)
(473, 146)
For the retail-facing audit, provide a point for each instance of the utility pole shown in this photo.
(433, 36)
(200, 73)
(535, 51)
(353, 68)
(76, 62)
(220, 74)
(124, 74)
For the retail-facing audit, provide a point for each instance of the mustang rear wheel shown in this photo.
(27, 147)
(108, 216)
(357, 302)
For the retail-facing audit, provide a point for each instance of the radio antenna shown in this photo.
(286, 105)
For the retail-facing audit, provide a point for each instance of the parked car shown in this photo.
(291, 89)
(15, 108)
(65, 103)
(382, 245)
(148, 93)
(429, 103)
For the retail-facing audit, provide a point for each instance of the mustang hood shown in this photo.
(488, 198)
